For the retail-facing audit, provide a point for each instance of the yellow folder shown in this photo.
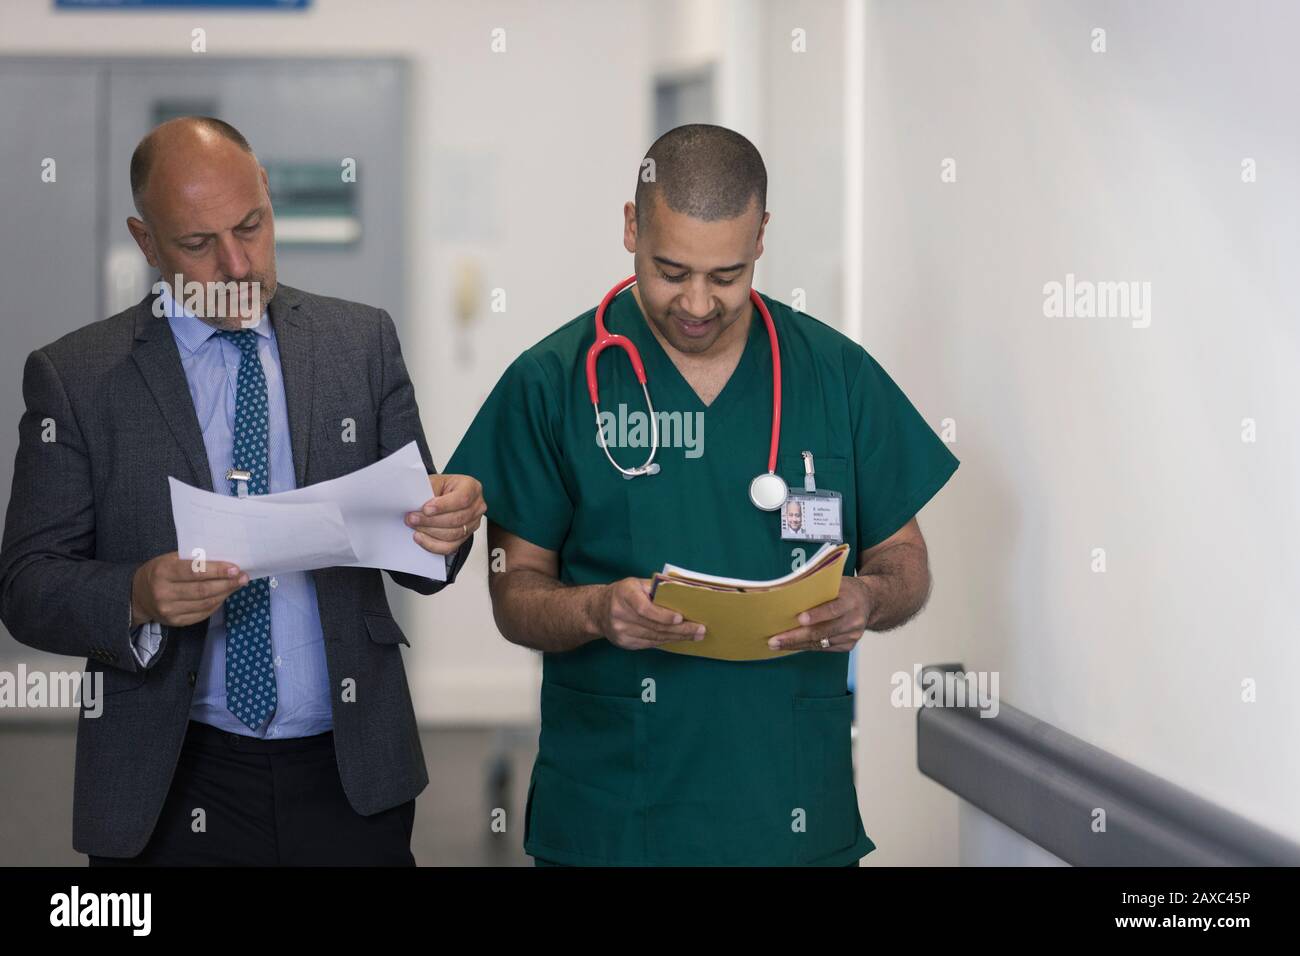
(740, 616)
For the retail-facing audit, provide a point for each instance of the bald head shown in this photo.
(205, 212)
(182, 143)
(707, 172)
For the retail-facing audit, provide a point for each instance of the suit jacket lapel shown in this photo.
(160, 364)
(296, 343)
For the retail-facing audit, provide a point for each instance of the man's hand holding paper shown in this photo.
(359, 520)
(452, 515)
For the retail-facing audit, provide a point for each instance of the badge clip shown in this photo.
(242, 478)
(809, 476)
(810, 514)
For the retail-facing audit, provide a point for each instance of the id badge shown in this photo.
(812, 514)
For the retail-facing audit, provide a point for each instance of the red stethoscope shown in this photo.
(768, 490)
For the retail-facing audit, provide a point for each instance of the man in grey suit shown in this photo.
(244, 722)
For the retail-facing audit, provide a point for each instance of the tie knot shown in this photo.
(246, 339)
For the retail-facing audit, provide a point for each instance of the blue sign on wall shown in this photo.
(182, 4)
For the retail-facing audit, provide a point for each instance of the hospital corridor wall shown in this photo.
(1006, 153)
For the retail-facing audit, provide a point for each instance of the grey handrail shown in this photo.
(1049, 785)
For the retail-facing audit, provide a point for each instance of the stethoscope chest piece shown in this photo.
(768, 491)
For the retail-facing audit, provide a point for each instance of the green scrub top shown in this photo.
(652, 758)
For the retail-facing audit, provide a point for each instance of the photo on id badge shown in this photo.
(812, 516)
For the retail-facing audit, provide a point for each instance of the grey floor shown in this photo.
(471, 772)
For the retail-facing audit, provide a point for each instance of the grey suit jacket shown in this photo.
(92, 505)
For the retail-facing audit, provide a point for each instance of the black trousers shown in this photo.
(243, 801)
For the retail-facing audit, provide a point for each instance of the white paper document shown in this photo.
(356, 521)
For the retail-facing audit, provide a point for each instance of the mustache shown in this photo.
(261, 280)
(687, 317)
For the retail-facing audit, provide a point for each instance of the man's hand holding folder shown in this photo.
(739, 616)
(630, 620)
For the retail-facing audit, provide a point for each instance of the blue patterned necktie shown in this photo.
(250, 677)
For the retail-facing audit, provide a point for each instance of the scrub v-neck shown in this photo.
(669, 389)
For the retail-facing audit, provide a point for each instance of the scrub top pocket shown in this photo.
(586, 788)
(824, 776)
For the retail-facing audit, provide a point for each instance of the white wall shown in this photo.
(801, 135)
(1077, 434)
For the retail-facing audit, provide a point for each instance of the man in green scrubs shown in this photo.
(655, 758)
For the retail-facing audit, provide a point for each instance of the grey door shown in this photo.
(303, 118)
(48, 264)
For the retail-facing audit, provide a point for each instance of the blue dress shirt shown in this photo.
(211, 367)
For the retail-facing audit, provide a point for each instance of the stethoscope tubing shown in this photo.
(605, 339)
